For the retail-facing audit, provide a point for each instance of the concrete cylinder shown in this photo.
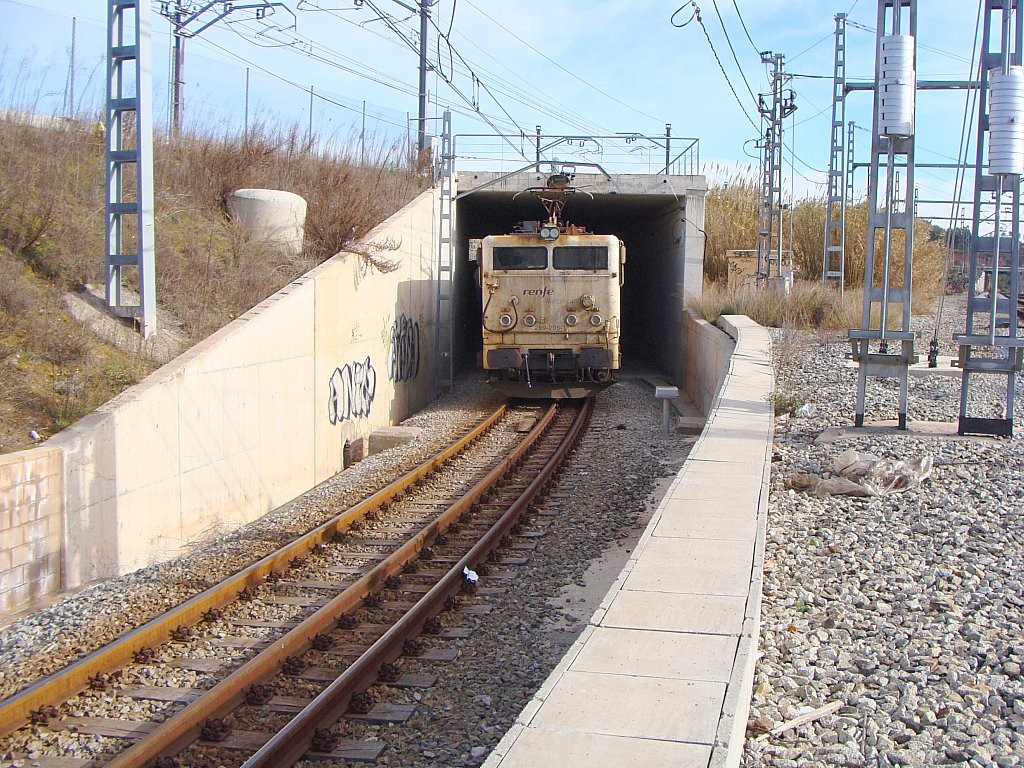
(897, 86)
(1006, 121)
(271, 216)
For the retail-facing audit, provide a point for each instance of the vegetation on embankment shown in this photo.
(731, 223)
(52, 224)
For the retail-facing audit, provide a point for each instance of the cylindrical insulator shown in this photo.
(897, 86)
(1006, 121)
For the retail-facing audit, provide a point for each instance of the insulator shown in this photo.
(897, 86)
(1006, 121)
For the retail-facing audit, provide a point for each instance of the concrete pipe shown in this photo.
(270, 215)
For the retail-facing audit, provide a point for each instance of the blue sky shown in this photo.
(582, 67)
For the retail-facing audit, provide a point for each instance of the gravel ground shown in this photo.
(907, 609)
(46, 640)
(589, 523)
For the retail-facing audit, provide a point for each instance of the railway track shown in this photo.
(263, 664)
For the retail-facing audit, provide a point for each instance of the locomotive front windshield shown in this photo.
(572, 257)
(581, 257)
(520, 257)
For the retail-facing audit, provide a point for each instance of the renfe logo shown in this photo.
(545, 291)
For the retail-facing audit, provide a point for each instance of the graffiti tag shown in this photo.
(352, 389)
(405, 349)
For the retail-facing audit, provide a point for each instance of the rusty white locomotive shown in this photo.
(550, 294)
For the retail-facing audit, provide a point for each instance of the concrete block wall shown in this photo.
(252, 416)
(30, 525)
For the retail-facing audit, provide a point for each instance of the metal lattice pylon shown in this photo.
(769, 229)
(992, 326)
(444, 339)
(833, 263)
(889, 212)
(129, 160)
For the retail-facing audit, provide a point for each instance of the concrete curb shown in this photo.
(730, 741)
(735, 443)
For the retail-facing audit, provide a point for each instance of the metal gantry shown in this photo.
(128, 207)
(770, 265)
(833, 263)
(888, 214)
(444, 339)
(991, 343)
(190, 18)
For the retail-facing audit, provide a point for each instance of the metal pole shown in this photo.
(177, 73)
(538, 144)
(668, 146)
(993, 289)
(245, 129)
(424, 27)
(362, 137)
(71, 78)
(309, 129)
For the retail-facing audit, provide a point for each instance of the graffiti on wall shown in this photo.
(352, 389)
(404, 349)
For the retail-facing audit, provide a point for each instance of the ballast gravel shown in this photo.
(584, 530)
(906, 609)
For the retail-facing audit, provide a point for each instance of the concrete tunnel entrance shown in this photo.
(660, 219)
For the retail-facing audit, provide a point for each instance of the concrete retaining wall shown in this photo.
(30, 524)
(704, 360)
(251, 417)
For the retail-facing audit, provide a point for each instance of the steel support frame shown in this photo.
(129, 160)
(991, 343)
(444, 337)
(888, 211)
(769, 230)
(833, 262)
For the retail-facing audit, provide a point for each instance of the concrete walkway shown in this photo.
(662, 675)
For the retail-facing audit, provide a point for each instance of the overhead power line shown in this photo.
(567, 71)
(728, 82)
(733, 51)
(745, 30)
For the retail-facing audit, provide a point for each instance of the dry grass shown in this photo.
(208, 272)
(808, 305)
(731, 224)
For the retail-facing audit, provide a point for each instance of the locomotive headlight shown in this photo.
(596, 320)
(587, 301)
(571, 320)
(549, 233)
(530, 320)
(505, 320)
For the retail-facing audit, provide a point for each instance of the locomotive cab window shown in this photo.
(520, 257)
(581, 257)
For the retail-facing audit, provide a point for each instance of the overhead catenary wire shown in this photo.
(728, 82)
(507, 90)
(299, 86)
(557, 64)
(732, 50)
(312, 49)
(745, 30)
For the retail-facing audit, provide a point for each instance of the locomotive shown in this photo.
(550, 293)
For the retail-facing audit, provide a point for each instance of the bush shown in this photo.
(809, 305)
(731, 223)
(52, 181)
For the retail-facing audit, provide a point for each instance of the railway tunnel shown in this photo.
(660, 218)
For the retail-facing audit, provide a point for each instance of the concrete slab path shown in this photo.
(662, 675)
